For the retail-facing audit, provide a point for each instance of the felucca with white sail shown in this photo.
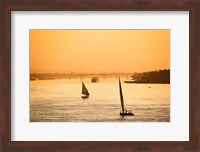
(123, 112)
(85, 92)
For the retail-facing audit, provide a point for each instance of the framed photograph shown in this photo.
(103, 58)
(100, 75)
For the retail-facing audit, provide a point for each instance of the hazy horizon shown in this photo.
(63, 72)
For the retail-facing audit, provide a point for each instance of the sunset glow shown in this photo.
(99, 51)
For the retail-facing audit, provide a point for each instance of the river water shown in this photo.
(60, 101)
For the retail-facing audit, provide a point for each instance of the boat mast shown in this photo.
(121, 96)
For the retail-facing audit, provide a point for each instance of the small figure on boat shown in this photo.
(85, 92)
(123, 112)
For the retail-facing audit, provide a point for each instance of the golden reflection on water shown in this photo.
(60, 101)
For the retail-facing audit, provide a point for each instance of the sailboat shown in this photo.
(84, 91)
(123, 112)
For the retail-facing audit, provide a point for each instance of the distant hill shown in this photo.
(161, 76)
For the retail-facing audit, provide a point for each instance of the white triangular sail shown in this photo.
(84, 90)
(121, 96)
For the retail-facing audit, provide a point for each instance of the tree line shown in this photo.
(158, 76)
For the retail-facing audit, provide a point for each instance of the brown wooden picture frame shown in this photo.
(193, 6)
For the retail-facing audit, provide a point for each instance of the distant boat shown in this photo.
(84, 91)
(33, 79)
(123, 112)
(94, 79)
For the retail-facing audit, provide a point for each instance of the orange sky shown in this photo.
(99, 51)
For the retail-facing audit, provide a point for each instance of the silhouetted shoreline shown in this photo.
(161, 76)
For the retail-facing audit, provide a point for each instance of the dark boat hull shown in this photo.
(85, 97)
(126, 114)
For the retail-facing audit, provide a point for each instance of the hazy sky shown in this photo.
(99, 51)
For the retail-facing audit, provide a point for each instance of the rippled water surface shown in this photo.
(60, 101)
